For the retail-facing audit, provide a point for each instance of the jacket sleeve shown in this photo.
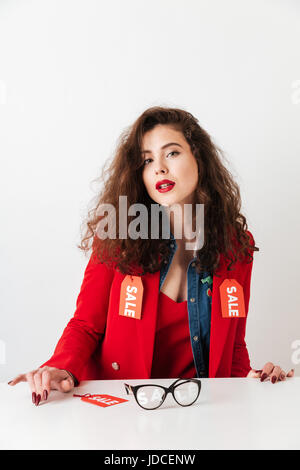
(84, 331)
(240, 361)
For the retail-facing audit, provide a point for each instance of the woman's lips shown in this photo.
(163, 188)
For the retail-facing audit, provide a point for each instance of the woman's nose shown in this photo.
(161, 170)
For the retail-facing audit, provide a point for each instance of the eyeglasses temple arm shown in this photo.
(178, 380)
(128, 389)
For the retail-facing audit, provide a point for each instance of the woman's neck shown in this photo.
(183, 226)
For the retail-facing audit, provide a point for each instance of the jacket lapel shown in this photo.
(147, 326)
(219, 327)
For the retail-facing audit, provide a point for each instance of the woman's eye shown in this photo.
(177, 153)
(150, 159)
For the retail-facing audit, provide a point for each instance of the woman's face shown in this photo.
(167, 156)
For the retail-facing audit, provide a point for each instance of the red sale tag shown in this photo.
(103, 400)
(131, 297)
(232, 299)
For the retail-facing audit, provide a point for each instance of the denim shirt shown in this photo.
(199, 291)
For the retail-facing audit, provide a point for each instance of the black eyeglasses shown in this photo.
(151, 396)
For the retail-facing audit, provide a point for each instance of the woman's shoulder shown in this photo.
(251, 237)
(242, 241)
(240, 257)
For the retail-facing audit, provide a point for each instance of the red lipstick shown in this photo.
(164, 185)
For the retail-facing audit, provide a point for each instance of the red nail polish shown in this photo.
(45, 395)
(38, 399)
(33, 397)
(263, 377)
(9, 382)
(274, 379)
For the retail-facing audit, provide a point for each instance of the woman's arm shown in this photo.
(84, 331)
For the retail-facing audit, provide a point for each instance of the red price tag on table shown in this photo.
(101, 400)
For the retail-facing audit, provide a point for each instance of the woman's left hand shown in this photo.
(270, 371)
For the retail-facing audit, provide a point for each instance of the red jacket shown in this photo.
(98, 343)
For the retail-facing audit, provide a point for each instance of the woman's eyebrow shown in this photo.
(163, 147)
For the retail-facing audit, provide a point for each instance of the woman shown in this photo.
(150, 306)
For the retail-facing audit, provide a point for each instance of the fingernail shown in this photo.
(38, 399)
(274, 379)
(9, 382)
(259, 370)
(45, 395)
(263, 377)
(33, 397)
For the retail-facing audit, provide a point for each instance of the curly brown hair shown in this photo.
(225, 227)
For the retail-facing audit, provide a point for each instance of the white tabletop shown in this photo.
(230, 413)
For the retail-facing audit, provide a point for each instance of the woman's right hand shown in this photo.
(44, 379)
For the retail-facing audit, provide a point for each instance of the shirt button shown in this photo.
(115, 366)
(165, 261)
(195, 338)
(172, 245)
(192, 299)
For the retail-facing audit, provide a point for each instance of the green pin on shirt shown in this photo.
(207, 279)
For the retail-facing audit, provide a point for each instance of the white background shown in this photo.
(73, 75)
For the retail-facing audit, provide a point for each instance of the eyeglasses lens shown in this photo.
(150, 397)
(186, 393)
